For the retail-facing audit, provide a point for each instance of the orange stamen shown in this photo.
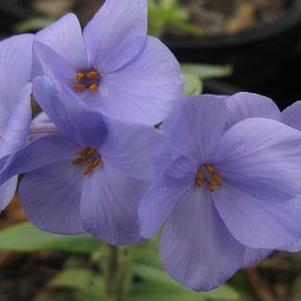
(210, 168)
(96, 163)
(217, 179)
(92, 74)
(87, 169)
(212, 186)
(93, 87)
(199, 178)
(207, 174)
(79, 76)
(77, 161)
(79, 87)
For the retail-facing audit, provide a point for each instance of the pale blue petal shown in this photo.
(261, 157)
(292, 115)
(7, 192)
(138, 151)
(14, 132)
(41, 152)
(194, 130)
(116, 34)
(65, 38)
(258, 223)
(196, 248)
(72, 117)
(252, 256)
(58, 69)
(145, 90)
(51, 197)
(164, 194)
(15, 64)
(247, 105)
(109, 205)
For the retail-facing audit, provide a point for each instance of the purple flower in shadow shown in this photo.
(112, 65)
(227, 198)
(15, 95)
(292, 117)
(91, 177)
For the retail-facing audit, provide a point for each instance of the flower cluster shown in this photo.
(221, 175)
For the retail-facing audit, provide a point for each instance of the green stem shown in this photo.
(112, 271)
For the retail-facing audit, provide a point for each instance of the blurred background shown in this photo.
(259, 44)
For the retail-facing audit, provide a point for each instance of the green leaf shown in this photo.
(79, 278)
(158, 285)
(169, 13)
(153, 274)
(33, 24)
(147, 253)
(62, 295)
(193, 85)
(206, 71)
(148, 291)
(26, 238)
(78, 284)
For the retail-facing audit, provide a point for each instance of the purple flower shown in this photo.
(227, 197)
(15, 109)
(90, 177)
(246, 105)
(292, 117)
(113, 65)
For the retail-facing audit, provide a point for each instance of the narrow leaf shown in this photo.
(26, 238)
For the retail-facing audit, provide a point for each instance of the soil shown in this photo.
(215, 17)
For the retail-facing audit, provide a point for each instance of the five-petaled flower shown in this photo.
(91, 176)
(113, 66)
(230, 193)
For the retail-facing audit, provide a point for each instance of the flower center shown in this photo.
(86, 80)
(207, 175)
(89, 158)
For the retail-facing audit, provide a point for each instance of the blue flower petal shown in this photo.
(196, 248)
(51, 197)
(261, 157)
(116, 34)
(41, 152)
(65, 38)
(70, 115)
(258, 223)
(109, 205)
(247, 105)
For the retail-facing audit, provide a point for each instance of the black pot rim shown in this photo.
(290, 19)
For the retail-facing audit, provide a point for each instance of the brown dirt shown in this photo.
(232, 16)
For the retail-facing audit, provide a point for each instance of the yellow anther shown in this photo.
(79, 87)
(77, 161)
(217, 179)
(209, 176)
(92, 74)
(87, 169)
(210, 168)
(198, 183)
(90, 152)
(89, 158)
(79, 76)
(199, 178)
(96, 163)
(93, 87)
(85, 150)
(212, 186)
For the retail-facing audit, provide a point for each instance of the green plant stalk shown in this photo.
(112, 272)
(117, 273)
